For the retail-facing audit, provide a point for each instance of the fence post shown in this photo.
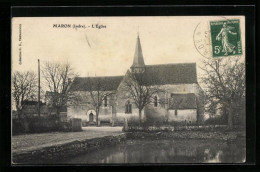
(76, 124)
(125, 125)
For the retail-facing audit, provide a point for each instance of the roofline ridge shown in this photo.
(183, 93)
(170, 64)
(99, 76)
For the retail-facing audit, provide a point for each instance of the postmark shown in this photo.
(218, 38)
(201, 39)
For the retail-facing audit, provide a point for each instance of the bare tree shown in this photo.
(98, 93)
(24, 87)
(225, 82)
(57, 78)
(140, 90)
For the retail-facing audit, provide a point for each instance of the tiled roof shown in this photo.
(28, 102)
(170, 73)
(108, 83)
(153, 75)
(183, 101)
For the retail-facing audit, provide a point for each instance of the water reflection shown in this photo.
(166, 151)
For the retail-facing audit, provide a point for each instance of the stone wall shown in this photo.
(119, 117)
(181, 88)
(47, 154)
(170, 128)
(185, 115)
(122, 97)
(155, 114)
(187, 135)
(194, 116)
(115, 111)
(81, 111)
(190, 88)
(82, 108)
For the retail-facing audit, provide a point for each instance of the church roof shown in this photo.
(107, 83)
(138, 56)
(179, 73)
(182, 73)
(183, 101)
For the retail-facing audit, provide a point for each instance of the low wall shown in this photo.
(76, 124)
(186, 135)
(47, 154)
(188, 115)
(38, 125)
(178, 128)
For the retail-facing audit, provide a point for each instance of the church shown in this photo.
(181, 102)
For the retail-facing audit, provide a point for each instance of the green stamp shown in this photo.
(226, 38)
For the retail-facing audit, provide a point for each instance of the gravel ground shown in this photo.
(34, 141)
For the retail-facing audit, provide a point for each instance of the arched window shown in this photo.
(105, 101)
(128, 107)
(155, 101)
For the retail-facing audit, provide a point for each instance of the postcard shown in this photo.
(124, 90)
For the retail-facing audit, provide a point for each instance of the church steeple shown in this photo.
(138, 63)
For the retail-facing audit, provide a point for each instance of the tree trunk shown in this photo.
(58, 113)
(97, 113)
(140, 116)
(230, 118)
(19, 114)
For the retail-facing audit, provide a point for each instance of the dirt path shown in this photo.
(34, 141)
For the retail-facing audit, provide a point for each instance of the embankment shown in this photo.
(46, 154)
(186, 135)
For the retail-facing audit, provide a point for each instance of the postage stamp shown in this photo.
(225, 38)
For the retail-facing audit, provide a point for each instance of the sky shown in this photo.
(108, 51)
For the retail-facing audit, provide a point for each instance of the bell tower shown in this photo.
(138, 65)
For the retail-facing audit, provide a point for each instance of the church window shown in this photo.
(128, 107)
(155, 101)
(105, 101)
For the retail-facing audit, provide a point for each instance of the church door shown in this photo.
(91, 117)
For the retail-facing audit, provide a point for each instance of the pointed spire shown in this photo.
(138, 56)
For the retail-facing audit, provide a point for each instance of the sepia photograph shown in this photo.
(128, 90)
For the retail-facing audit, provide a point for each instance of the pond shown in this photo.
(165, 151)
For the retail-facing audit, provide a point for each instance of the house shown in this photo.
(182, 100)
(30, 109)
(50, 98)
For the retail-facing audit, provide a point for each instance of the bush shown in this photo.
(39, 125)
(153, 119)
(218, 120)
(18, 127)
(133, 121)
(181, 123)
(65, 126)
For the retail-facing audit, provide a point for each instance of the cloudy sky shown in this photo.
(107, 51)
